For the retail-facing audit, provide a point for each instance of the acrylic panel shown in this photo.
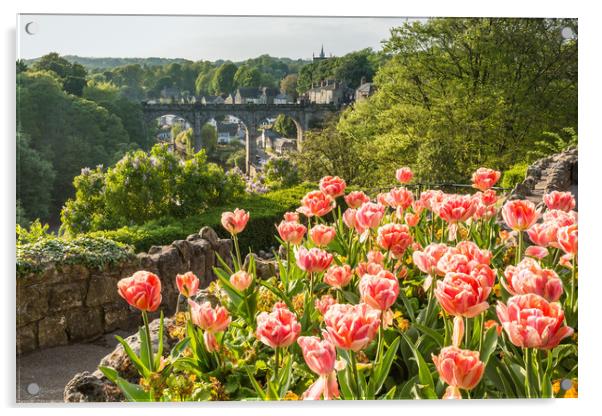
(229, 208)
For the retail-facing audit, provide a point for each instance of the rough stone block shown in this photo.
(32, 303)
(27, 339)
(101, 290)
(118, 316)
(52, 331)
(84, 323)
(67, 296)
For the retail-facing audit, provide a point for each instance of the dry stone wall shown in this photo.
(72, 303)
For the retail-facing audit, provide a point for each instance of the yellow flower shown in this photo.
(291, 396)
(573, 392)
(556, 386)
(497, 290)
(299, 303)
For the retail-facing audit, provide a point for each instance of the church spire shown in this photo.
(322, 51)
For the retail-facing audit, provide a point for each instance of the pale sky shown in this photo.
(199, 37)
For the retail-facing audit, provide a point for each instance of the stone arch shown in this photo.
(153, 117)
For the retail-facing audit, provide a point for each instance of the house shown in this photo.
(227, 132)
(213, 99)
(267, 139)
(164, 133)
(365, 90)
(328, 92)
(283, 99)
(247, 96)
(267, 95)
(283, 145)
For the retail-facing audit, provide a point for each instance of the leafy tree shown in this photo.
(285, 126)
(209, 139)
(223, 79)
(288, 85)
(553, 143)
(35, 177)
(72, 76)
(247, 77)
(280, 172)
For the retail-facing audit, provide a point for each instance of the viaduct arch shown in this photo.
(251, 115)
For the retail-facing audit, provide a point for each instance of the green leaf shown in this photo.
(437, 337)
(159, 353)
(286, 376)
(224, 264)
(424, 374)
(145, 354)
(142, 370)
(255, 384)
(132, 392)
(407, 305)
(382, 370)
(224, 279)
(489, 344)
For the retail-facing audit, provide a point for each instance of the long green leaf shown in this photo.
(489, 344)
(255, 384)
(383, 368)
(159, 353)
(132, 392)
(437, 337)
(424, 373)
(140, 366)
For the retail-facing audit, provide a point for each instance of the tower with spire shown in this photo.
(320, 57)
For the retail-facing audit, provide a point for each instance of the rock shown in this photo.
(84, 324)
(185, 249)
(27, 339)
(263, 268)
(119, 316)
(102, 289)
(207, 233)
(201, 249)
(119, 360)
(32, 303)
(52, 331)
(67, 296)
(155, 249)
(193, 237)
(86, 387)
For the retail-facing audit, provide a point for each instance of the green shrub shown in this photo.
(266, 211)
(89, 251)
(515, 175)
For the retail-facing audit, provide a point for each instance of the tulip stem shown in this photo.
(519, 249)
(482, 318)
(573, 273)
(276, 364)
(356, 377)
(527, 359)
(148, 341)
(237, 250)
(466, 331)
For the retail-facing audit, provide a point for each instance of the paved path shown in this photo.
(50, 369)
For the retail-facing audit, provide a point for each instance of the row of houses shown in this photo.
(329, 91)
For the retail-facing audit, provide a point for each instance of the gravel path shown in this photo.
(46, 372)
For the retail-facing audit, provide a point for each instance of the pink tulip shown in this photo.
(459, 368)
(355, 199)
(368, 268)
(453, 262)
(474, 253)
(188, 284)
(529, 277)
(568, 239)
(380, 291)
(142, 291)
(431, 199)
(350, 220)
(399, 198)
(316, 203)
(278, 328)
(457, 208)
(537, 252)
(369, 215)
(519, 214)
(412, 219)
(484, 178)
(325, 302)
(320, 356)
(211, 320)
(530, 321)
(322, 235)
(566, 260)
(560, 218)
(543, 234)
(488, 197)
(313, 260)
(460, 294)
(375, 256)
(394, 238)
(235, 222)
(241, 280)
(291, 216)
(338, 276)
(427, 260)
(563, 201)
(291, 232)
(351, 327)
(333, 186)
(404, 175)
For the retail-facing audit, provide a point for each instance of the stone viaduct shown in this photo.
(197, 114)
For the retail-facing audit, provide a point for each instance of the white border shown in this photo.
(590, 388)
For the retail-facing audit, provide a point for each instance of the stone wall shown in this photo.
(557, 172)
(72, 303)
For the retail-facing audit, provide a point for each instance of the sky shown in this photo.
(199, 37)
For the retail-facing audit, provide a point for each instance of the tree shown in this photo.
(209, 139)
(247, 77)
(285, 126)
(223, 79)
(72, 76)
(35, 177)
(288, 85)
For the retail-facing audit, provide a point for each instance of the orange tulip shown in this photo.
(188, 284)
(142, 290)
(235, 222)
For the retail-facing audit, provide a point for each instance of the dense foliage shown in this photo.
(453, 95)
(144, 186)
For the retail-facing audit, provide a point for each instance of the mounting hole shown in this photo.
(33, 389)
(566, 384)
(31, 28)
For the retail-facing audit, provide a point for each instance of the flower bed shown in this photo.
(408, 296)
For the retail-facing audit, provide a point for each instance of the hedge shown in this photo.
(266, 211)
